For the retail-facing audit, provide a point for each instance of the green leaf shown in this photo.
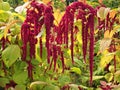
(106, 58)
(11, 54)
(19, 66)
(20, 77)
(19, 16)
(97, 77)
(64, 79)
(76, 70)
(79, 63)
(78, 23)
(111, 68)
(117, 76)
(37, 85)
(4, 16)
(4, 6)
(20, 87)
(109, 77)
(51, 87)
(3, 82)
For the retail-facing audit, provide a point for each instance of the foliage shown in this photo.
(110, 3)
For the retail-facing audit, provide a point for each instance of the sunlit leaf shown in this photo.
(111, 68)
(105, 58)
(116, 28)
(117, 76)
(46, 1)
(25, 0)
(74, 86)
(58, 15)
(97, 77)
(108, 34)
(112, 13)
(103, 12)
(4, 6)
(78, 23)
(109, 77)
(4, 15)
(37, 83)
(8, 27)
(76, 70)
(96, 31)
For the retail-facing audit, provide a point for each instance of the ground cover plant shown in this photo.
(59, 45)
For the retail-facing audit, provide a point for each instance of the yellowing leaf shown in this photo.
(8, 27)
(117, 72)
(104, 44)
(109, 34)
(79, 38)
(25, 0)
(112, 13)
(79, 25)
(116, 28)
(19, 16)
(46, 1)
(106, 58)
(106, 34)
(76, 70)
(103, 12)
(19, 36)
(58, 15)
(96, 31)
(109, 77)
(118, 59)
(1, 11)
(97, 77)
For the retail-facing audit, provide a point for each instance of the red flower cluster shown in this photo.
(57, 36)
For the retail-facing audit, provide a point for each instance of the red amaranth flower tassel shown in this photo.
(63, 63)
(24, 35)
(114, 57)
(30, 67)
(41, 47)
(54, 56)
(48, 20)
(91, 47)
